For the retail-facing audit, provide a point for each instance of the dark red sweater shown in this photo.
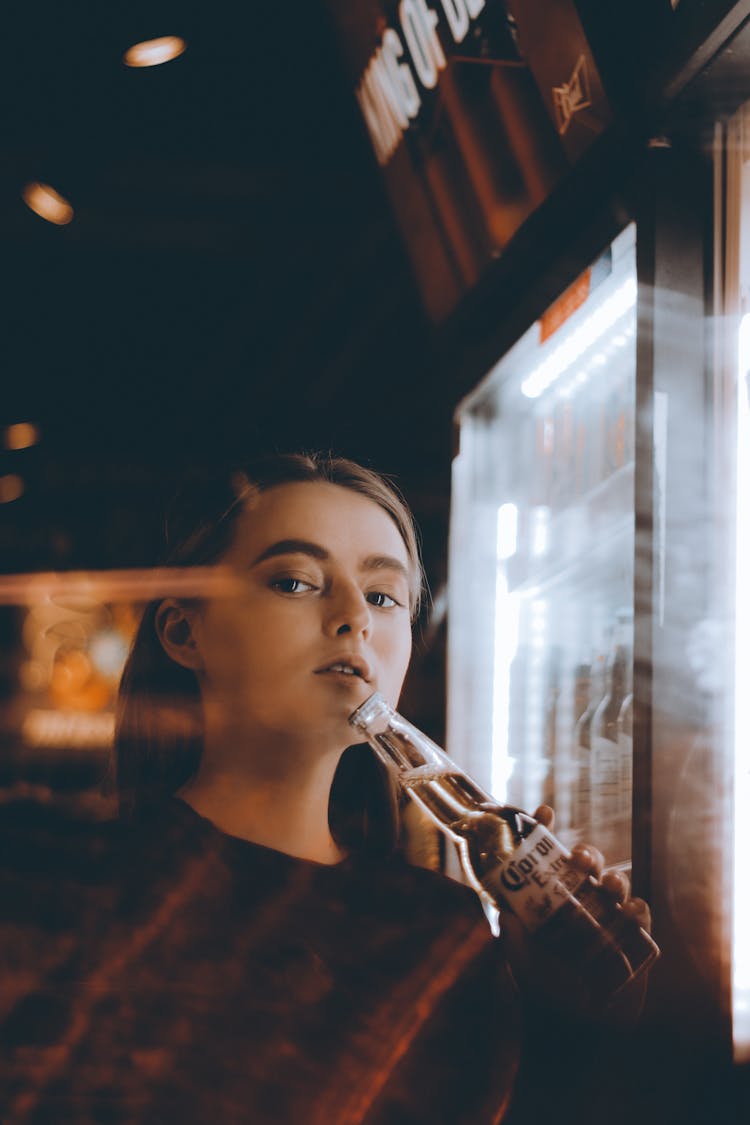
(184, 976)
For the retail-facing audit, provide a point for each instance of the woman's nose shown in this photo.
(348, 612)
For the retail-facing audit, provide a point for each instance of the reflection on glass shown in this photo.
(543, 527)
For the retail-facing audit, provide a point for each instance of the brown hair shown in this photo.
(159, 727)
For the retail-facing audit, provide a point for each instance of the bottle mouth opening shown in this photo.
(372, 708)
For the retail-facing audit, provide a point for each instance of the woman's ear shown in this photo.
(174, 627)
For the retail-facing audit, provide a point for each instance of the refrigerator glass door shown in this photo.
(541, 563)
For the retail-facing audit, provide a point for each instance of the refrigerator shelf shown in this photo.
(576, 541)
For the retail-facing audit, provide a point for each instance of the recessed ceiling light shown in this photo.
(11, 487)
(47, 203)
(21, 435)
(154, 52)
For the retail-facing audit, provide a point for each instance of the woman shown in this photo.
(270, 957)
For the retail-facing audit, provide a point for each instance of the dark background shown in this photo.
(232, 281)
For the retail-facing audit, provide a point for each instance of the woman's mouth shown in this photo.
(351, 668)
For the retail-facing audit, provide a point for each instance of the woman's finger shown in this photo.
(545, 814)
(617, 884)
(588, 859)
(639, 910)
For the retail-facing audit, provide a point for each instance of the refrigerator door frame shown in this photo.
(680, 769)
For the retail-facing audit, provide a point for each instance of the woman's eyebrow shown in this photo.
(305, 547)
(385, 562)
(292, 547)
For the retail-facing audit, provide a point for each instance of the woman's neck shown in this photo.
(286, 809)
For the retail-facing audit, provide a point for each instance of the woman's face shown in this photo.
(321, 619)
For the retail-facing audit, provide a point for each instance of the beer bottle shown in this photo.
(550, 749)
(625, 747)
(514, 860)
(594, 687)
(610, 824)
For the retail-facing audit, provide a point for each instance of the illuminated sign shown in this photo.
(475, 110)
(389, 94)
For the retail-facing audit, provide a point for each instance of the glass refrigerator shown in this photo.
(595, 628)
(541, 566)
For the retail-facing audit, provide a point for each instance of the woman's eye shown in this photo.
(382, 601)
(292, 585)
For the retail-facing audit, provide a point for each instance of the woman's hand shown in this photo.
(541, 976)
(591, 861)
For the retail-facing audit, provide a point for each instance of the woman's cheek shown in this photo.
(227, 641)
(395, 668)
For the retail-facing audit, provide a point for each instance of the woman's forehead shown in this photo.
(334, 517)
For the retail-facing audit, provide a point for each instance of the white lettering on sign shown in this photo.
(387, 93)
(388, 96)
(418, 23)
(459, 13)
(399, 73)
(457, 17)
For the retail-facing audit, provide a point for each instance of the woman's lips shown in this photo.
(347, 664)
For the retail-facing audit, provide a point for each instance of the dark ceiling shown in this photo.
(232, 279)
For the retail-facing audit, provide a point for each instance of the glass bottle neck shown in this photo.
(451, 798)
(399, 743)
(406, 750)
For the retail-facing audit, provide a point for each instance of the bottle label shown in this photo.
(536, 879)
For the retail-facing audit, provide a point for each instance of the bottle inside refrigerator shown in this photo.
(541, 563)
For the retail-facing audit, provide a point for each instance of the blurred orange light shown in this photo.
(47, 203)
(154, 52)
(11, 487)
(21, 435)
(78, 589)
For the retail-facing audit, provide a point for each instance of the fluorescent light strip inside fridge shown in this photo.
(597, 324)
(741, 903)
(506, 643)
(507, 611)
